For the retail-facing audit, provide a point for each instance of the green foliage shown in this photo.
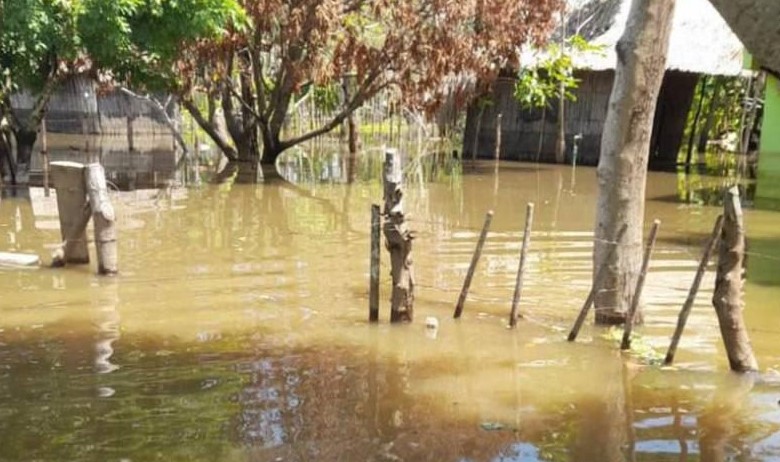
(37, 37)
(141, 41)
(134, 41)
(326, 97)
(537, 86)
(641, 349)
(724, 97)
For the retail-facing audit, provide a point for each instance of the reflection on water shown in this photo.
(237, 330)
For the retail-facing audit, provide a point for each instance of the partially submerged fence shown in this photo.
(728, 235)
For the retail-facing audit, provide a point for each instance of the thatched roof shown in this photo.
(701, 40)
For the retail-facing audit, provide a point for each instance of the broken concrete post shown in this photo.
(68, 180)
(104, 218)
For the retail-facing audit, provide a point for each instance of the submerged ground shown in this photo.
(237, 331)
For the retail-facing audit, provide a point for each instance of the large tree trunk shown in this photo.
(625, 149)
(248, 148)
(755, 23)
(271, 149)
(249, 145)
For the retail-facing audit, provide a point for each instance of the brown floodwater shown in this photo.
(237, 329)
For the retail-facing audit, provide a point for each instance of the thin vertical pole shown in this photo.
(373, 294)
(601, 273)
(45, 157)
(474, 260)
(686, 309)
(498, 136)
(529, 222)
(640, 283)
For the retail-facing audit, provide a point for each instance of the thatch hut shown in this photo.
(701, 44)
(85, 123)
(79, 107)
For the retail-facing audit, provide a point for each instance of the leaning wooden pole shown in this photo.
(464, 292)
(373, 292)
(727, 299)
(104, 219)
(640, 283)
(529, 221)
(398, 240)
(686, 309)
(601, 273)
(68, 180)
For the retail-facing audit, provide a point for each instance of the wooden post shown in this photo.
(727, 298)
(104, 219)
(474, 260)
(68, 179)
(640, 283)
(399, 241)
(529, 221)
(475, 147)
(45, 158)
(597, 281)
(498, 136)
(373, 292)
(686, 309)
(130, 134)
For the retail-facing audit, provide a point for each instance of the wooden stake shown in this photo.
(399, 241)
(475, 147)
(727, 299)
(529, 221)
(104, 219)
(597, 282)
(373, 292)
(640, 283)
(498, 136)
(464, 292)
(686, 309)
(68, 179)
(130, 134)
(45, 158)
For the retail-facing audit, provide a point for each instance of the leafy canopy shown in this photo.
(39, 40)
(140, 42)
(424, 50)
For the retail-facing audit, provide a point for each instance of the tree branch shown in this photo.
(244, 104)
(358, 99)
(7, 110)
(41, 103)
(211, 131)
(163, 110)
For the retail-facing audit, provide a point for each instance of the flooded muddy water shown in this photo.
(237, 330)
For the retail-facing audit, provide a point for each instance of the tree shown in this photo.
(410, 46)
(625, 149)
(39, 47)
(137, 44)
(755, 23)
